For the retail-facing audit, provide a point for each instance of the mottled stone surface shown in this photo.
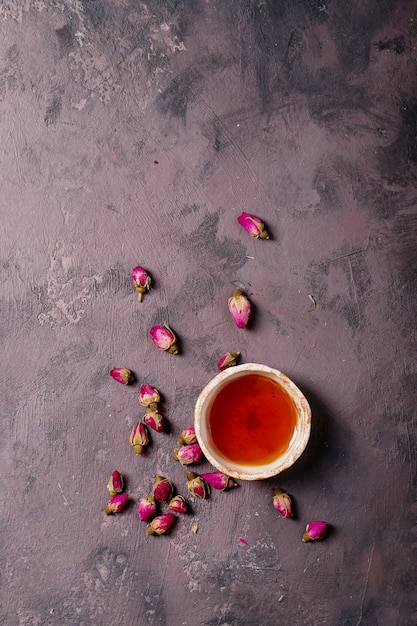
(135, 133)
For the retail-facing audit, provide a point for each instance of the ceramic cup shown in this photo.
(248, 470)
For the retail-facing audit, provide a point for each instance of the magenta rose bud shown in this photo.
(115, 484)
(148, 395)
(116, 504)
(227, 360)
(187, 436)
(142, 281)
(197, 486)
(164, 339)
(146, 508)
(162, 489)
(178, 505)
(282, 503)
(123, 375)
(161, 524)
(239, 307)
(253, 225)
(315, 531)
(187, 455)
(218, 480)
(139, 438)
(154, 420)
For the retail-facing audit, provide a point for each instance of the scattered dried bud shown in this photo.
(122, 375)
(164, 338)
(239, 307)
(315, 531)
(253, 225)
(194, 527)
(197, 486)
(116, 504)
(218, 480)
(146, 508)
(178, 505)
(142, 281)
(115, 484)
(139, 438)
(188, 455)
(282, 502)
(148, 395)
(227, 360)
(187, 436)
(162, 489)
(154, 420)
(161, 524)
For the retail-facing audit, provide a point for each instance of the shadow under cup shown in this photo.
(252, 422)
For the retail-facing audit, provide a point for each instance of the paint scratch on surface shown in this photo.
(63, 495)
(365, 587)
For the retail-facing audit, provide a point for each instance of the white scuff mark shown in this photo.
(62, 494)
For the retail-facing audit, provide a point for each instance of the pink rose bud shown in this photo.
(139, 438)
(187, 436)
(164, 339)
(142, 281)
(148, 395)
(122, 375)
(188, 455)
(146, 508)
(178, 505)
(218, 480)
(197, 486)
(227, 360)
(154, 420)
(162, 489)
(282, 503)
(116, 504)
(239, 307)
(161, 524)
(315, 531)
(115, 484)
(253, 225)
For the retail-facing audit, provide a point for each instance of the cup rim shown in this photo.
(297, 446)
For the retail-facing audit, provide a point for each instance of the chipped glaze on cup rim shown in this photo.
(259, 471)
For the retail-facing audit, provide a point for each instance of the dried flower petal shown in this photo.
(178, 505)
(227, 360)
(282, 503)
(139, 438)
(188, 455)
(116, 504)
(161, 524)
(315, 531)
(154, 420)
(218, 480)
(194, 527)
(142, 281)
(197, 486)
(148, 395)
(253, 225)
(162, 489)
(123, 375)
(187, 436)
(164, 339)
(146, 508)
(239, 307)
(115, 484)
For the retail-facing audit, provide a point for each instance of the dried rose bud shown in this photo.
(218, 480)
(187, 436)
(122, 375)
(197, 486)
(154, 420)
(227, 360)
(142, 281)
(164, 339)
(253, 225)
(239, 307)
(139, 438)
(178, 505)
(315, 531)
(148, 395)
(116, 504)
(282, 502)
(115, 484)
(161, 524)
(187, 455)
(146, 508)
(162, 489)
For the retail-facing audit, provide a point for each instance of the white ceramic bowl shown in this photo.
(242, 470)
